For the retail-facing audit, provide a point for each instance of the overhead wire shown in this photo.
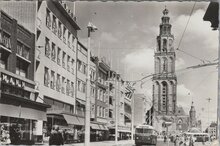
(184, 31)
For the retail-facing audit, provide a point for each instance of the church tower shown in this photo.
(164, 79)
(192, 116)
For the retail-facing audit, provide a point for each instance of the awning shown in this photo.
(81, 101)
(71, 119)
(103, 127)
(95, 126)
(81, 121)
(22, 112)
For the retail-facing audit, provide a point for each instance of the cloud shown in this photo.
(108, 37)
(197, 33)
(182, 91)
(140, 59)
(179, 63)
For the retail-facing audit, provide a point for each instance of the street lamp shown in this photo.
(91, 28)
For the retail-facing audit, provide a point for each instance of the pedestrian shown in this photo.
(191, 142)
(56, 137)
(165, 138)
(203, 140)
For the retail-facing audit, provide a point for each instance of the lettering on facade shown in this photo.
(11, 80)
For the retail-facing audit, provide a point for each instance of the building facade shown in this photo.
(212, 130)
(56, 46)
(19, 108)
(140, 109)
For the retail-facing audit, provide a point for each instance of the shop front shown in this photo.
(98, 132)
(18, 120)
(124, 133)
(72, 126)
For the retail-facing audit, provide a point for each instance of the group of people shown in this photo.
(184, 141)
(9, 135)
(57, 137)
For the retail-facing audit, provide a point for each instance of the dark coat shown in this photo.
(56, 138)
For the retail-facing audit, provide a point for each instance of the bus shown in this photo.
(145, 134)
(199, 137)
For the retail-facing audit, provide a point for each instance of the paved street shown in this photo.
(131, 143)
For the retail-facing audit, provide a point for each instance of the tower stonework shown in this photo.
(164, 79)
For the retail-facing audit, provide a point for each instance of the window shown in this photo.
(164, 45)
(19, 48)
(100, 111)
(69, 37)
(97, 111)
(52, 82)
(100, 94)
(79, 65)
(21, 68)
(58, 56)
(72, 89)
(165, 65)
(58, 86)
(6, 40)
(68, 63)
(64, 60)
(3, 60)
(110, 114)
(48, 19)
(84, 69)
(60, 30)
(72, 66)
(84, 88)
(47, 48)
(53, 52)
(73, 43)
(103, 113)
(25, 52)
(46, 77)
(63, 85)
(68, 88)
(22, 50)
(79, 85)
(54, 26)
(64, 35)
(110, 100)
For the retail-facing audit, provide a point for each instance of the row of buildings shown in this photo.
(43, 78)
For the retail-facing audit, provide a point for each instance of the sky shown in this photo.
(127, 34)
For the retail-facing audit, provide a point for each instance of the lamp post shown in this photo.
(91, 28)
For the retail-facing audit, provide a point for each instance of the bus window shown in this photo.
(139, 130)
(150, 131)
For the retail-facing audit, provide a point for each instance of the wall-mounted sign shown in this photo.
(11, 80)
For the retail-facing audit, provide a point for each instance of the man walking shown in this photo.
(56, 137)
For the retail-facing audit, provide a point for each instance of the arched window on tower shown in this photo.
(158, 43)
(157, 100)
(164, 45)
(171, 44)
(157, 65)
(164, 96)
(171, 65)
(165, 65)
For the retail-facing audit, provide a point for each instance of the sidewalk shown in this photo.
(100, 143)
(108, 143)
(215, 143)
